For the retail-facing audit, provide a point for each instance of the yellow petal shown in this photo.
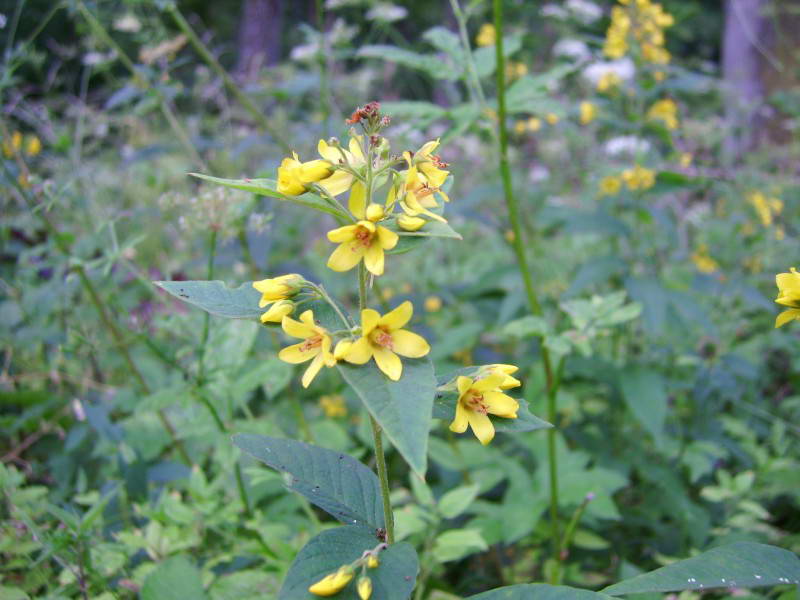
(501, 405)
(359, 352)
(313, 369)
(342, 234)
(398, 317)
(373, 259)
(346, 256)
(490, 382)
(333, 583)
(296, 354)
(314, 170)
(464, 384)
(481, 426)
(409, 344)
(369, 320)
(329, 153)
(337, 183)
(386, 238)
(277, 311)
(460, 421)
(412, 207)
(364, 588)
(357, 202)
(296, 328)
(786, 316)
(355, 150)
(409, 223)
(388, 362)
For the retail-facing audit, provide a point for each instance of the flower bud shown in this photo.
(364, 587)
(372, 561)
(277, 311)
(278, 288)
(341, 349)
(333, 583)
(409, 223)
(375, 212)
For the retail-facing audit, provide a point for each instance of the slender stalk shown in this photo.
(322, 59)
(380, 458)
(522, 260)
(212, 62)
(108, 322)
(212, 254)
(166, 109)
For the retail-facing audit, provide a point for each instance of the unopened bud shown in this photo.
(375, 212)
(364, 587)
(333, 583)
(409, 223)
(277, 311)
(372, 561)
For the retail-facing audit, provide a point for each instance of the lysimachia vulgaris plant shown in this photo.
(394, 203)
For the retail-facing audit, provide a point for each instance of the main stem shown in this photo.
(522, 260)
(380, 459)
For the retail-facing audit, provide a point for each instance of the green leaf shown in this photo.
(538, 591)
(337, 483)
(393, 579)
(217, 298)
(268, 187)
(456, 501)
(421, 62)
(740, 565)
(431, 229)
(645, 394)
(402, 408)
(458, 543)
(174, 579)
(413, 109)
(529, 90)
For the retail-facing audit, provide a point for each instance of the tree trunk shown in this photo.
(259, 36)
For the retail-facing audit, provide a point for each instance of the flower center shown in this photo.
(363, 236)
(311, 343)
(383, 338)
(474, 401)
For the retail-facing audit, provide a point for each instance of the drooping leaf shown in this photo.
(645, 394)
(174, 579)
(455, 544)
(539, 591)
(402, 408)
(393, 579)
(427, 63)
(339, 484)
(217, 298)
(739, 565)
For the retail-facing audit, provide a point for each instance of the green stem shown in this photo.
(108, 323)
(322, 58)
(166, 109)
(522, 260)
(212, 254)
(212, 62)
(380, 458)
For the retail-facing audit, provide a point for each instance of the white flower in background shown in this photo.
(127, 23)
(538, 173)
(623, 67)
(584, 11)
(574, 49)
(389, 13)
(626, 144)
(3, 21)
(339, 34)
(554, 10)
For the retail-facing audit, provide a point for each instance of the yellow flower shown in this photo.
(686, 159)
(515, 70)
(294, 177)
(278, 288)
(788, 295)
(363, 240)
(476, 400)
(383, 338)
(333, 405)
(34, 146)
(520, 127)
(486, 35)
(551, 118)
(12, 146)
(703, 261)
(608, 81)
(433, 303)
(610, 185)
(277, 311)
(333, 583)
(588, 112)
(534, 124)
(423, 179)
(666, 111)
(341, 180)
(506, 371)
(639, 178)
(316, 345)
(766, 208)
(364, 587)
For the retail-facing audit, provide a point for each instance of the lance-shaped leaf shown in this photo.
(217, 298)
(337, 483)
(268, 187)
(393, 579)
(403, 408)
(444, 406)
(539, 591)
(738, 565)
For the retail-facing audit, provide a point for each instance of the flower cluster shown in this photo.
(703, 260)
(635, 178)
(766, 208)
(637, 26)
(486, 35)
(665, 111)
(788, 295)
(30, 144)
(335, 582)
